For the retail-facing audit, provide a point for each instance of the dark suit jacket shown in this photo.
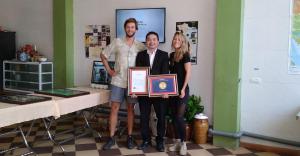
(160, 66)
(160, 62)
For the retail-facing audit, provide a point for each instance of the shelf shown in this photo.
(21, 81)
(27, 81)
(23, 72)
(27, 76)
(22, 62)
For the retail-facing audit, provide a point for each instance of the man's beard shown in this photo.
(127, 35)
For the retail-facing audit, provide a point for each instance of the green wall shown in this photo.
(226, 108)
(63, 43)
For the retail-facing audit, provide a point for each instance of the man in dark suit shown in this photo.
(158, 62)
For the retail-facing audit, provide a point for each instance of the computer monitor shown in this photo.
(149, 19)
(99, 73)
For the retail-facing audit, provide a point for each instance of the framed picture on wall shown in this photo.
(190, 30)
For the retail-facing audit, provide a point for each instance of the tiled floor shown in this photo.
(91, 145)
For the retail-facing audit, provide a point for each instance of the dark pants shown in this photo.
(159, 105)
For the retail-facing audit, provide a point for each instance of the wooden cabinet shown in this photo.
(7, 50)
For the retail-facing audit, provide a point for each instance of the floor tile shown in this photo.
(68, 148)
(6, 139)
(207, 146)
(249, 154)
(64, 154)
(88, 153)
(157, 154)
(126, 151)
(111, 152)
(150, 149)
(266, 154)
(42, 150)
(240, 150)
(219, 151)
(85, 147)
(192, 146)
(200, 152)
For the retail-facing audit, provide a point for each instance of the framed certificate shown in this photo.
(163, 84)
(137, 81)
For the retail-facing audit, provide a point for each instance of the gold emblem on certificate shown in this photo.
(162, 85)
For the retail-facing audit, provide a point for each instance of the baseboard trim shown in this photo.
(265, 148)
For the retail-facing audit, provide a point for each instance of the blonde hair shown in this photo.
(184, 48)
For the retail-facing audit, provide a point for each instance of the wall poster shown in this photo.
(97, 37)
(190, 30)
(294, 51)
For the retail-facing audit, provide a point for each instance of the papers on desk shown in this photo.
(66, 93)
(23, 99)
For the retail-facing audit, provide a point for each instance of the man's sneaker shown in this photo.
(176, 146)
(183, 149)
(109, 144)
(130, 142)
(144, 145)
(160, 146)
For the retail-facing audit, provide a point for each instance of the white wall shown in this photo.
(32, 22)
(103, 12)
(269, 107)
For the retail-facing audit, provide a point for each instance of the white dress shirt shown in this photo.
(151, 56)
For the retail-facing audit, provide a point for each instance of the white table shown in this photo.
(69, 105)
(13, 114)
(76, 104)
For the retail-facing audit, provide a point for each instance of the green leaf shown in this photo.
(193, 107)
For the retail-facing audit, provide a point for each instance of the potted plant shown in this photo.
(193, 107)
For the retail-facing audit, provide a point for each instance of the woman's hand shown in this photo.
(133, 96)
(182, 94)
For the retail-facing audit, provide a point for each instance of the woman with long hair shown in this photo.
(180, 64)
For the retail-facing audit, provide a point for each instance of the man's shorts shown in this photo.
(119, 94)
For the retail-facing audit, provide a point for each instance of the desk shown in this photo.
(76, 104)
(13, 114)
(56, 107)
(69, 105)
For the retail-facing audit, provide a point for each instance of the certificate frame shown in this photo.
(162, 84)
(138, 76)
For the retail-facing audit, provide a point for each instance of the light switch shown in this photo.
(256, 80)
